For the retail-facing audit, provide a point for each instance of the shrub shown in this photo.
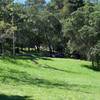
(95, 56)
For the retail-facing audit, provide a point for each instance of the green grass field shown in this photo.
(48, 79)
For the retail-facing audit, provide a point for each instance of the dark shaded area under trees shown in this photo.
(13, 97)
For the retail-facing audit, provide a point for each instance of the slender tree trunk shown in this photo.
(13, 34)
(29, 49)
(13, 44)
(49, 44)
(38, 48)
(2, 48)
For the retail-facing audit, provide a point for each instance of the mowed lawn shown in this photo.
(48, 79)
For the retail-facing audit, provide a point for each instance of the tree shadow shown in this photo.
(25, 57)
(31, 57)
(61, 85)
(56, 69)
(91, 68)
(27, 79)
(17, 60)
(13, 97)
(24, 78)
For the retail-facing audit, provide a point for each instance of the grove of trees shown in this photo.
(64, 28)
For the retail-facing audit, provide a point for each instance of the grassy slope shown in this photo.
(48, 79)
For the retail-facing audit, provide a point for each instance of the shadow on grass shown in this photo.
(13, 97)
(26, 79)
(56, 69)
(31, 57)
(24, 61)
(21, 77)
(25, 57)
(91, 68)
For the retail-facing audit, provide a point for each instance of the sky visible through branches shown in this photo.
(22, 1)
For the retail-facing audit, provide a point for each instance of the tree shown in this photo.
(95, 56)
(52, 30)
(82, 29)
(6, 20)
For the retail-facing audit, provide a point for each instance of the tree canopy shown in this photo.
(63, 27)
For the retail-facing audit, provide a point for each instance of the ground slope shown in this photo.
(48, 79)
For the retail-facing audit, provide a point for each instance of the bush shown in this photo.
(95, 56)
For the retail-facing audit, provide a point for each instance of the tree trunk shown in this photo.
(13, 44)
(38, 48)
(49, 44)
(2, 49)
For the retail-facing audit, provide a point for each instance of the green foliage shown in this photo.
(61, 25)
(82, 29)
(95, 56)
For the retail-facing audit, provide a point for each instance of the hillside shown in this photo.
(48, 79)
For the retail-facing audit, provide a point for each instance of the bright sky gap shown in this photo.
(22, 1)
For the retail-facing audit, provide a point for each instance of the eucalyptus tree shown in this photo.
(52, 30)
(32, 24)
(82, 29)
(63, 8)
(6, 9)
